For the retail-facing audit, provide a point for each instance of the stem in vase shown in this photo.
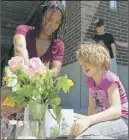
(41, 131)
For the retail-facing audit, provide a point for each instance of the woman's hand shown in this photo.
(79, 126)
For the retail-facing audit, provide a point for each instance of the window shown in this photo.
(113, 4)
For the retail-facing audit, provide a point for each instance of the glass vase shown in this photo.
(34, 122)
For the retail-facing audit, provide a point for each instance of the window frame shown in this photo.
(113, 5)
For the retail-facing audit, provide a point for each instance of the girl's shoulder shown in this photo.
(108, 79)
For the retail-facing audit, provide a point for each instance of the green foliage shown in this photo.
(41, 89)
(37, 111)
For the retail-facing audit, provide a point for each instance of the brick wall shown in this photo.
(116, 23)
(73, 30)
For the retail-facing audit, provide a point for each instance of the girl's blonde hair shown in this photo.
(93, 54)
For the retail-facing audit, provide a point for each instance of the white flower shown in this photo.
(12, 79)
(15, 87)
(12, 82)
(10, 73)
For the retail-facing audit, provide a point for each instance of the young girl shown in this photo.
(108, 105)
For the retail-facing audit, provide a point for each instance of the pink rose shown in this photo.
(15, 63)
(36, 66)
(29, 71)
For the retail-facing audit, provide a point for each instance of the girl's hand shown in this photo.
(79, 126)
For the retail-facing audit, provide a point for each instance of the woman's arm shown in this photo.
(20, 47)
(91, 108)
(114, 111)
(56, 67)
(57, 59)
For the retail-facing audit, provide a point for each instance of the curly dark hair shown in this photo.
(41, 15)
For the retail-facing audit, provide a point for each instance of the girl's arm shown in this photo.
(114, 111)
(91, 108)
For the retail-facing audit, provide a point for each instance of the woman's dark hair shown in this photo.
(41, 15)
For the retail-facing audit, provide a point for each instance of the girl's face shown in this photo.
(51, 21)
(90, 71)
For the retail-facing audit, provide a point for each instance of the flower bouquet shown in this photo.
(33, 86)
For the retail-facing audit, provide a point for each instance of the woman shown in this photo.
(42, 41)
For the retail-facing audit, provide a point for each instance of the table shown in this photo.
(12, 135)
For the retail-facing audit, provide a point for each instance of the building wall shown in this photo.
(73, 30)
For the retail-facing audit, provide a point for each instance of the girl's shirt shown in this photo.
(100, 93)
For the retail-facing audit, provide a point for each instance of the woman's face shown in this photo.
(51, 21)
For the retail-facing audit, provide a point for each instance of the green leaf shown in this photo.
(36, 93)
(37, 111)
(58, 85)
(65, 88)
(17, 98)
(20, 99)
(53, 95)
(13, 96)
(26, 91)
(57, 112)
(44, 95)
(61, 83)
(22, 105)
(56, 101)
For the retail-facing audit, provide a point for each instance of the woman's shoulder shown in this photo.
(58, 43)
(58, 50)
